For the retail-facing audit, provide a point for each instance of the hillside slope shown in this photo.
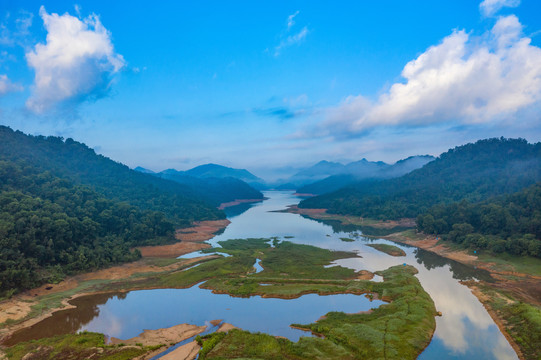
(50, 227)
(81, 165)
(215, 190)
(473, 172)
(507, 223)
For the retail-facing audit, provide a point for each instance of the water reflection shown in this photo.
(464, 331)
(234, 211)
(126, 315)
(87, 308)
(459, 271)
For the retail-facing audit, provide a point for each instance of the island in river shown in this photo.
(513, 300)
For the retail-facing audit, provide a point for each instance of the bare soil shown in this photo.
(365, 275)
(171, 335)
(225, 327)
(184, 352)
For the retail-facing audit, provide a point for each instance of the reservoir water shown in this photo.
(464, 331)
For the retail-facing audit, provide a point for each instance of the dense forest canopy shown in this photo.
(64, 209)
(473, 172)
(510, 223)
(81, 165)
(50, 227)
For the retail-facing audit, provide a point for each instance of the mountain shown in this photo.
(473, 172)
(506, 223)
(219, 171)
(216, 190)
(365, 170)
(65, 209)
(77, 163)
(143, 170)
(329, 184)
(319, 171)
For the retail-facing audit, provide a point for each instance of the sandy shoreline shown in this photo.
(170, 335)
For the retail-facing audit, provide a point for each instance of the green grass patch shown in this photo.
(161, 262)
(345, 239)
(86, 345)
(398, 330)
(388, 249)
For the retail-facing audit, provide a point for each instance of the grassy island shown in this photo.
(388, 249)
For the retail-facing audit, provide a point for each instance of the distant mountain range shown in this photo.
(215, 183)
(325, 176)
(328, 176)
(472, 172)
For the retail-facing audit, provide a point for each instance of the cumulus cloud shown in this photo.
(7, 86)
(491, 7)
(76, 63)
(464, 79)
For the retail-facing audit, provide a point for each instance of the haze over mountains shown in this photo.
(327, 176)
(472, 172)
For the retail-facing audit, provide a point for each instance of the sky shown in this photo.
(271, 86)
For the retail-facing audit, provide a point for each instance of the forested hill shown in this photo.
(215, 190)
(473, 172)
(50, 227)
(81, 165)
(507, 223)
(219, 171)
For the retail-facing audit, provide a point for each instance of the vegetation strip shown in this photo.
(388, 249)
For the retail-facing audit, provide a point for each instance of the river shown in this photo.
(464, 331)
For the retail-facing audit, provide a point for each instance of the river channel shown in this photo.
(464, 331)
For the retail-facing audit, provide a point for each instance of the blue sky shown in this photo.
(271, 86)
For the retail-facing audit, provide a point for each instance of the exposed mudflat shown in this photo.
(170, 335)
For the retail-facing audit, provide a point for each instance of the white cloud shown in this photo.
(7, 86)
(491, 7)
(75, 64)
(291, 40)
(464, 79)
(290, 19)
